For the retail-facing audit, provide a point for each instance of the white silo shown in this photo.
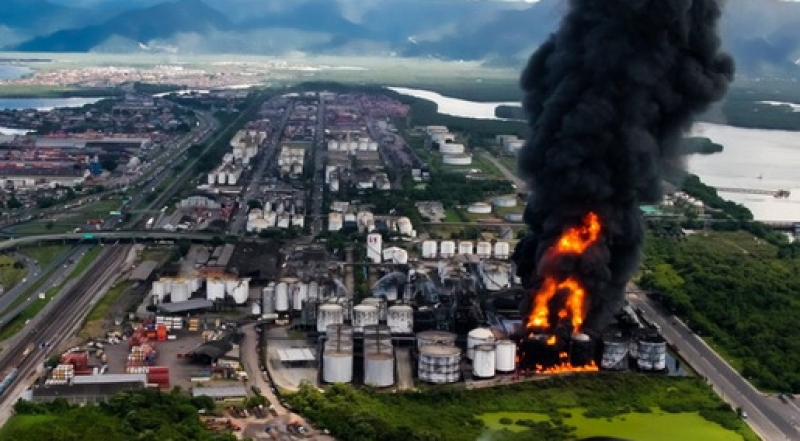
(447, 249)
(501, 250)
(615, 354)
(379, 365)
(506, 356)
(215, 289)
(180, 291)
(300, 296)
(439, 364)
(404, 226)
(435, 338)
(255, 308)
(211, 178)
(400, 319)
(364, 315)
(313, 290)
(329, 314)
(337, 366)
(465, 248)
(159, 291)
(495, 277)
(483, 250)
(378, 303)
(429, 249)
(194, 284)
(241, 292)
(373, 146)
(222, 178)
(374, 247)
(281, 297)
(268, 299)
(483, 362)
(478, 336)
(395, 255)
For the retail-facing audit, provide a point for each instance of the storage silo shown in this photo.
(400, 319)
(379, 365)
(364, 315)
(484, 359)
(242, 292)
(329, 314)
(313, 290)
(505, 356)
(435, 338)
(159, 291)
(215, 289)
(429, 248)
(501, 250)
(374, 247)
(447, 249)
(652, 353)
(377, 334)
(339, 332)
(615, 354)
(255, 308)
(476, 337)
(483, 250)
(179, 291)
(337, 366)
(465, 248)
(268, 299)
(439, 364)
(378, 303)
(281, 297)
(300, 296)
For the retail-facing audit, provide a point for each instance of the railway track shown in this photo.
(57, 323)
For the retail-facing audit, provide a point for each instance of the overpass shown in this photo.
(113, 236)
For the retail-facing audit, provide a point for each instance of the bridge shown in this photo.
(111, 236)
(773, 193)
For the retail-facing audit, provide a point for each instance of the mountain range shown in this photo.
(761, 34)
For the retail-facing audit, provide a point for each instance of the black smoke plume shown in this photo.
(609, 96)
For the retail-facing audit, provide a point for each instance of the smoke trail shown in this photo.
(609, 96)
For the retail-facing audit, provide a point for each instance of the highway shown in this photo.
(57, 323)
(317, 186)
(511, 176)
(765, 416)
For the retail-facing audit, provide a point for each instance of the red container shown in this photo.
(161, 333)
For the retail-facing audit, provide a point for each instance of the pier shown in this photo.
(774, 193)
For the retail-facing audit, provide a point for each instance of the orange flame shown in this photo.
(564, 366)
(575, 240)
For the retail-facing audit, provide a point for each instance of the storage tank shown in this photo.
(395, 255)
(242, 292)
(329, 314)
(268, 299)
(451, 148)
(615, 354)
(400, 319)
(374, 247)
(313, 290)
(479, 208)
(582, 350)
(179, 291)
(429, 249)
(281, 297)
(505, 201)
(447, 249)
(364, 315)
(435, 338)
(483, 362)
(378, 303)
(300, 296)
(478, 336)
(495, 277)
(255, 308)
(159, 291)
(377, 334)
(379, 366)
(339, 332)
(505, 356)
(465, 248)
(652, 353)
(373, 146)
(501, 250)
(439, 364)
(483, 250)
(337, 366)
(462, 159)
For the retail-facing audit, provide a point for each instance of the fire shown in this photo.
(574, 241)
(564, 366)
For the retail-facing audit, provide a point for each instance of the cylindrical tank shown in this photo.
(581, 352)
(501, 250)
(329, 314)
(378, 366)
(506, 356)
(615, 354)
(483, 249)
(215, 289)
(255, 308)
(435, 338)
(159, 291)
(313, 290)
(484, 359)
(652, 353)
(179, 292)
(300, 295)
(364, 315)
(439, 364)
(337, 366)
(339, 331)
(378, 303)
(478, 336)
(338, 345)
(241, 292)
(268, 299)
(281, 297)
(400, 319)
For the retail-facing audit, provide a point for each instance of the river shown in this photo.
(45, 103)
(10, 71)
(753, 158)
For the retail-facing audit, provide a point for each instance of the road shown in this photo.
(31, 274)
(320, 152)
(765, 416)
(511, 176)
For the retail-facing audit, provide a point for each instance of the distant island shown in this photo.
(700, 145)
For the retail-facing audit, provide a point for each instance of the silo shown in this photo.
(374, 247)
(230, 286)
(179, 292)
(447, 249)
(313, 290)
(281, 297)
(615, 354)
(439, 364)
(159, 291)
(255, 308)
(300, 296)
(242, 292)
(400, 319)
(483, 362)
(268, 299)
(337, 366)
(339, 332)
(652, 353)
(501, 250)
(215, 289)
(506, 356)
(429, 249)
(581, 351)
(364, 315)
(435, 338)
(378, 303)
(476, 337)
(329, 314)
(378, 366)
(465, 248)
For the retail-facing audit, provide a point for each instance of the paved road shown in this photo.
(770, 424)
(511, 176)
(32, 273)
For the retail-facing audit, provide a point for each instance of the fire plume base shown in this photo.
(545, 354)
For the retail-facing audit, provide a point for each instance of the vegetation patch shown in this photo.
(99, 313)
(43, 254)
(11, 272)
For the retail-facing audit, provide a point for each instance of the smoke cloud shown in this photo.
(609, 96)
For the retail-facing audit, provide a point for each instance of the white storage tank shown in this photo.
(337, 366)
(501, 250)
(404, 226)
(268, 299)
(313, 290)
(180, 291)
(479, 208)
(506, 356)
(395, 255)
(373, 146)
(242, 292)
(615, 354)
(378, 303)
(478, 336)
(374, 247)
(364, 315)
(429, 249)
(300, 296)
(462, 159)
(447, 249)
(465, 248)
(483, 362)
(379, 366)
(329, 314)
(435, 338)
(451, 148)
(484, 250)
(505, 201)
(439, 364)
(400, 319)
(281, 297)
(159, 291)
(651, 354)
(255, 308)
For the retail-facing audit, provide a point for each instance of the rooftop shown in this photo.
(292, 355)
(220, 392)
(189, 305)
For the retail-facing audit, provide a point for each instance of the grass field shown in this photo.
(44, 255)
(10, 276)
(688, 426)
(96, 317)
